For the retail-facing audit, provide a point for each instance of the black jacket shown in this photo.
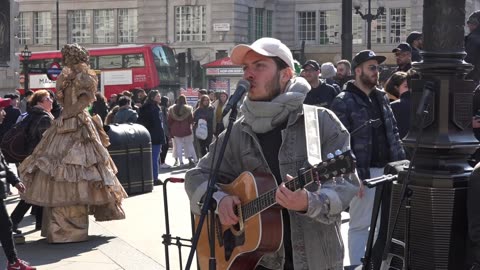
(472, 48)
(6, 174)
(11, 116)
(40, 121)
(322, 95)
(401, 111)
(151, 116)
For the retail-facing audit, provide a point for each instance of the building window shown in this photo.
(42, 25)
(251, 25)
(357, 29)
(103, 26)
(190, 23)
(379, 29)
(127, 25)
(25, 30)
(399, 24)
(80, 26)
(391, 28)
(269, 30)
(307, 22)
(259, 23)
(329, 27)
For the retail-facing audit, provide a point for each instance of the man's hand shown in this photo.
(21, 187)
(475, 122)
(293, 200)
(225, 210)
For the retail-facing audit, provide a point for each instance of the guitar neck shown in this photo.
(341, 164)
(267, 199)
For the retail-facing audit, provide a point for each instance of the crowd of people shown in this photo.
(268, 138)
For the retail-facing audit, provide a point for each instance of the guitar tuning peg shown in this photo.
(330, 155)
(338, 152)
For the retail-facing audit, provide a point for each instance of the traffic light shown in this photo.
(181, 60)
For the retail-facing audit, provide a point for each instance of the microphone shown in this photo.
(373, 182)
(242, 87)
(425, 99)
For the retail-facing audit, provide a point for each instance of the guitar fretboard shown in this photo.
(320, 173)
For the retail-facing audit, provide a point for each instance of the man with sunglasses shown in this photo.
(373, 145)
(403, 56)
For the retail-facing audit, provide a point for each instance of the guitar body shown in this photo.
(242, 248)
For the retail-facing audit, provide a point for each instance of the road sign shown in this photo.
(37, 70)
(53, 71)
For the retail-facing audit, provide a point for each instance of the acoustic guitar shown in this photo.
(260, 229)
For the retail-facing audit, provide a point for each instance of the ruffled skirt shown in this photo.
(71, 166)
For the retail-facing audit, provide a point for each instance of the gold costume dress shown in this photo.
(70, 172)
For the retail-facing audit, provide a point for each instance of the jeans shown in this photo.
(6, 234)
(360, 217)
(156, 150)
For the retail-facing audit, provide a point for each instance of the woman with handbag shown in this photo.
(203, 124)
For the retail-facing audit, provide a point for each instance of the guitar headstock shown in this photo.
(336, 165)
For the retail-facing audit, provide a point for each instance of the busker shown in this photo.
(270, 138)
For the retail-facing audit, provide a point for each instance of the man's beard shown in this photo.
(367, 81)
(272, 88)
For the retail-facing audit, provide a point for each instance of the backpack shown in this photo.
(202, 129)
(14, 144)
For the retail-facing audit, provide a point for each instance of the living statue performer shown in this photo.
(70, 172)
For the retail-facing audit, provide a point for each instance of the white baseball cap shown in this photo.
(269, 47)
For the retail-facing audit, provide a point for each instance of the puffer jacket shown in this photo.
(353, 112)
(315, 234)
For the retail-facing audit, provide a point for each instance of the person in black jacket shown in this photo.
(6, 238)
(321, 94)
(12, 113)
(40, 119)
(397, 85)
(151, 117)
(472, 45)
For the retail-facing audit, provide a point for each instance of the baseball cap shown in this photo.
(474, 18)
(402, 47)
(313, 64)
(413, 36)
(4, 102)
(364, 56)
(269, 47)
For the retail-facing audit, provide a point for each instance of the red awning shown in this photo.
(223, 62)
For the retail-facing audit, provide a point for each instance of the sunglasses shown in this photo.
(375, 68)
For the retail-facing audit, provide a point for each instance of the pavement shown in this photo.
(134, 243)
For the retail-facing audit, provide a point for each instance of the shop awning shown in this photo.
(223, 62)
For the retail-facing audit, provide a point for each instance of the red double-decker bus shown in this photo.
(125, 67)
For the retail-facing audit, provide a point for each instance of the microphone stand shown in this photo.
(208, 200)
(364, 125)
(405, 194)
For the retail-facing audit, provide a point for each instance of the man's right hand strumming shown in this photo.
(225, 210)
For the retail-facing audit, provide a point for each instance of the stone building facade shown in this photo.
(8, 61)
(211, 28)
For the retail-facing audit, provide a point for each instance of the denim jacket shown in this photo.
(316, 237)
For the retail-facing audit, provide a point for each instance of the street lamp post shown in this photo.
(369, 17)
(26, 54)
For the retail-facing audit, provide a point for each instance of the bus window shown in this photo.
(93, 62)
(161, 59)
(110, 61)
(133, 60)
